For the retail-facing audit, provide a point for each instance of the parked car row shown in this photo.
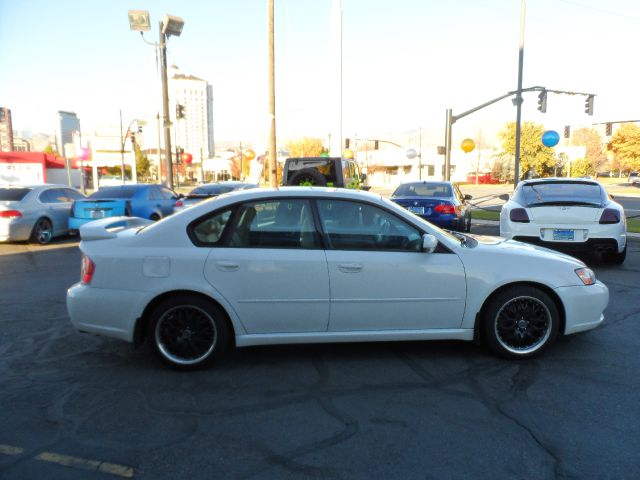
(39, 213)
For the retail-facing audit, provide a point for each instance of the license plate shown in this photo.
(417, 210)
(97, 214)
(564, 235)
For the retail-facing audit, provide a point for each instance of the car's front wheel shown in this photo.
(42, 232)
(520, 322)
(188, 331)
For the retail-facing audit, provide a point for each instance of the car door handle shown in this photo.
(349, 267)
(227, 266)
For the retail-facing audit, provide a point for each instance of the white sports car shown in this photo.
(567, 214)
(314, 265)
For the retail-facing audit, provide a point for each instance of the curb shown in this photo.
(497, 223)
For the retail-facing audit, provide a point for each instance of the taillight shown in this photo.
(10, 214)
(610, 215)
(179, 203)
(519, 215)
(445, 209)
(87, 270)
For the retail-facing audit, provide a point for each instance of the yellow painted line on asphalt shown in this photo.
(85, 464)
(10, 450)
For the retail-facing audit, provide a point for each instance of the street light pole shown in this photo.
(166, 123)
(516, 176)
(273, 167)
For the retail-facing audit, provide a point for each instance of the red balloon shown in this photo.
(187, 158)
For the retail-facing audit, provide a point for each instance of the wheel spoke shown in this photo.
(186, 334)
(523, 324)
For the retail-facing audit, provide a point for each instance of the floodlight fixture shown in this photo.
(139, 20)
(172, 25)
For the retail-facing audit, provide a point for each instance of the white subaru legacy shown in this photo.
(316, 265)
(568, 214)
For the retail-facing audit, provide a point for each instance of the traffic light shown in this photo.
(567, 131)
(347, 142)
(375, 145)
(133, 138)
(542, 101)
(180, 112)
(588, 105)
(609, 129)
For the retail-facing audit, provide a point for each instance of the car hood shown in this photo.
(513, 247)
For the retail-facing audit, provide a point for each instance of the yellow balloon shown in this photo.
(347, 153)
(468, 145)
(249, 154)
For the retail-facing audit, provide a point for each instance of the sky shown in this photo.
(404, 62)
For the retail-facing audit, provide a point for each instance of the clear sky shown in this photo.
(404, 62)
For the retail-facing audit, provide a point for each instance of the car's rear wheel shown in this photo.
(308, 176)
(520, 322)
(615, 257)
(187, 331)
(42, 232)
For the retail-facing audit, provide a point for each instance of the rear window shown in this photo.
(436, 190)
(13, 194)
(115, 192)
(212, 190)
(570, 192)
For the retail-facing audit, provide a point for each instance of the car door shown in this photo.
(57, 206)
(380, 279)
(269, 265)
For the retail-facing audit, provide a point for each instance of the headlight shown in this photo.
(587, 275)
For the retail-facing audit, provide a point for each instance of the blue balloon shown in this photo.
(550, 138)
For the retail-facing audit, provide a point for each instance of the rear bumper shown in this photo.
(14, 231)
(598, 245)
(450, 222)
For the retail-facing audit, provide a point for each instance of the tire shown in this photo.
(525, 337)
(155, 217)
(467, 227)
(615, 257)
(42, 232)
(308, 176)
(188, 332)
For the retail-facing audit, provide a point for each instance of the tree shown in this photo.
(533, 154)
(595, 155)
(307, 147)
(51, 150)
(143, 164)
(625, 146)
(582, 167)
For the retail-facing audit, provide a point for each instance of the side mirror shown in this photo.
(504, 196)
(611, 197)
(468, 197)
(429, 243)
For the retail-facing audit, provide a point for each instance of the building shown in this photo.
(6, 130)
(194, 131)
(67, 124)
(28, 168)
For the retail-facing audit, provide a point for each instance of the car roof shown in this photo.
(427, 182)
(559, 180)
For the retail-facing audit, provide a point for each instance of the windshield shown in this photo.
(567, 193)
(424, 189)
(13, 194)
(115, 192)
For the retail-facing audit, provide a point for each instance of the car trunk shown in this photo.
(93, 209)
(422, 206)
(569, 215)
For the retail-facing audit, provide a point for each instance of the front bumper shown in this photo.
(584, 306)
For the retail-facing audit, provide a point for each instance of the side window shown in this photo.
(166, 193)
(73, 195)
(358, 226)
(53, 195)
(284, 223)
(154, 194)
(209, 231)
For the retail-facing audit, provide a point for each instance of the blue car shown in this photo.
(441, 203)
(145, 201)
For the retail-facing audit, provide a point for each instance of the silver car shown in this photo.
(35, 212)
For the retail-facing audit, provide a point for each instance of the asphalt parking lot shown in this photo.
(76, 406)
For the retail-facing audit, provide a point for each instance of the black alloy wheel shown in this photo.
(188, 332)
(521, 322)
(42, 231)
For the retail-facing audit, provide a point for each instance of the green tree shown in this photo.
(625, 147)
(143, 165)
(582, 167)
(533, 154)
(306, 147)
(595, 154)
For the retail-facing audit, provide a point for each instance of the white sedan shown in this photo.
(568, 214)
(317, 265)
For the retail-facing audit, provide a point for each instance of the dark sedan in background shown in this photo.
(441, 203)
(209, 190)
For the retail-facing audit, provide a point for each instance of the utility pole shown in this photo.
(166, 123)
(516, 177)
(273, 168)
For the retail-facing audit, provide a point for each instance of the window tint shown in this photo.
(424, 189)
(571, 192)
(13, 194)
(210, 230)
(358, 226)
(275, 224)
(53, 195)
(73, 195)
(115, 192)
